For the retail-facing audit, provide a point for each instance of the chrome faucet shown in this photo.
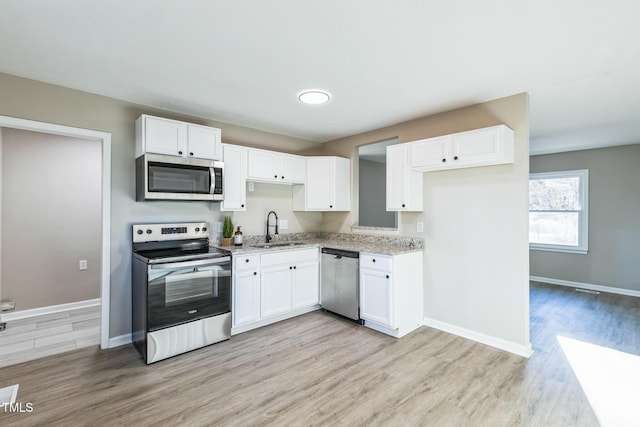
(268, 238)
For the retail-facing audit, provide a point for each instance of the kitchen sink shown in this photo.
(277, 244)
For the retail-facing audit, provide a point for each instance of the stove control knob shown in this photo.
(204, 228)
(139, 231)
(148, 231)
(197, 229)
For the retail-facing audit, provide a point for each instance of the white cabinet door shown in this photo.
(376, 296)
(164, 136)
(203, 142)
(327, 186)
(293, 168)
(235, 178)
(262, 165)
(431, 153)
(246, 297)
(306, 285)
(275, 283)
(404, 186)
(320, 183)
(477, 147)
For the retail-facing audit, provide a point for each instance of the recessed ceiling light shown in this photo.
(314, 96)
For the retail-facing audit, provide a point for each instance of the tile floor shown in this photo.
(39, 336)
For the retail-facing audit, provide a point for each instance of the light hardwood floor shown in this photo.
(318, 370)
(49, 334)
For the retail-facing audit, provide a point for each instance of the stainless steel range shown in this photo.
(181, 290)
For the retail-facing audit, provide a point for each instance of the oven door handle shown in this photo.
(186, 264)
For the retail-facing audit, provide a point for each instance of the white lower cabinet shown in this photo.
(391, 292)
(285, 284)
(246, 290)
(376, 301)
(276, 291)
(305, 289)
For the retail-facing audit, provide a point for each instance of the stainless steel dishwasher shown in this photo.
(340, 288)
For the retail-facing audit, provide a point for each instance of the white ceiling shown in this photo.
(384, 62)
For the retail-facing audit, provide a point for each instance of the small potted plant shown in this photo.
(227, 232)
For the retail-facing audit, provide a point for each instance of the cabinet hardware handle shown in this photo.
(246, 260)
(282, 176)
(374, 260)
(331, 206)
(275, 176)
(403, 205)
(255, 274)
(180, 152)
(191, 154)
(294, 267)
(444, 160)
(290, 268)
(242, 206)
(455, 158)
(387, 276)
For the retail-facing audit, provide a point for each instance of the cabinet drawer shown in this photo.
(375, 262)
(289, 257)
(246, 262)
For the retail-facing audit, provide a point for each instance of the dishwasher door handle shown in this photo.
(338, 256)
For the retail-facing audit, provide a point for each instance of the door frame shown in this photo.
(105, 140)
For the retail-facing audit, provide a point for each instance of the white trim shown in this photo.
(41, 311)
(105, 139)
(599, 288)
(520, 350)
(120, 340)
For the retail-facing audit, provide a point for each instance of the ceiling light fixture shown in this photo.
(314, 97)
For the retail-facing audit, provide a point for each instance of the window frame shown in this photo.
(583, 214)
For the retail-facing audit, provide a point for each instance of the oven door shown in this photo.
(180, 292)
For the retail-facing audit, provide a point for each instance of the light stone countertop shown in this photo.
(358, 243)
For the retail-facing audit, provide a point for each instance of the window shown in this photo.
(558, 211)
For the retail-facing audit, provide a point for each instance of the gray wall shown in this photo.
(43, 102)
(51, 218)
(614, 226)
(372, 196)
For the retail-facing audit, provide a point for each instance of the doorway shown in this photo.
(105, 141)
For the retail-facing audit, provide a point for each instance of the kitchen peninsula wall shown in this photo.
(476, 257)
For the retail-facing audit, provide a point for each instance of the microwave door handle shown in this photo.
(212, 175)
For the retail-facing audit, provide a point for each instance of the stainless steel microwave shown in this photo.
(160, 177)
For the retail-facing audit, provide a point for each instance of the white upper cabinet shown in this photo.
(404, 186)
(327, 186)
(481, 147)
(175, 138)
(235, 178)
(271, 166)
(204, 142)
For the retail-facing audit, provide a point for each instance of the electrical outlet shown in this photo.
(284, 224)
(219, 226)
(82, 265)
(251, 186)
(420, 227)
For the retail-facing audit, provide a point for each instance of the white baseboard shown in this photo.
(520, 350)
(600, 288)
(120, 340)
(41, 311)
